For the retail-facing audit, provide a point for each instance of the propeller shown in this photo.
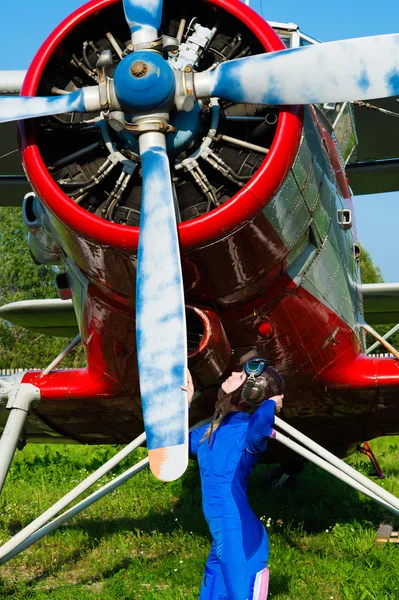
(15, 108)
(160, 316)
(356, 69)
(144, 19)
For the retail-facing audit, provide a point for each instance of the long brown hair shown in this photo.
(224, 404)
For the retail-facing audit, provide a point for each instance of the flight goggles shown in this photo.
(255, 367)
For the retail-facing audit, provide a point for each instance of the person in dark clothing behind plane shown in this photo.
(227, 451)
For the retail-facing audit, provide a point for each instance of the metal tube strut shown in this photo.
(31, 534)
(62, 355)
(19, 403)
(9, 441)
(56, 523)
(338, 463)
(320, 462)
(384, 337)
(380, 339)
(30, 529)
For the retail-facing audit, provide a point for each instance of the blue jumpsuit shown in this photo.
(236, 568)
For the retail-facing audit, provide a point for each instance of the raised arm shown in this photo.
(261, 424)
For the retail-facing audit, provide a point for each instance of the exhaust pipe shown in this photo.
(269, 122)
(209, 348)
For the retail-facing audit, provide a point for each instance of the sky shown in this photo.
(24, 25)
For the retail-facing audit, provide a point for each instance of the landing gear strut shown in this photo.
(20, 401)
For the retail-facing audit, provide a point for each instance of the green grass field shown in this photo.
(149, 540)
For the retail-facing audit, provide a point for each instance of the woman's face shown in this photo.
(233, 382)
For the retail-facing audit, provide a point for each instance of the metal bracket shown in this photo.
(24, 396)
(155, 46)
(332, 338)
(103, 63)
(149, 126)
(184, 94)
(197, 41)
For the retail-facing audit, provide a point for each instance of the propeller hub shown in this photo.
(143, 81)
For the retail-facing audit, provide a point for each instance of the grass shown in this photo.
(149, 541)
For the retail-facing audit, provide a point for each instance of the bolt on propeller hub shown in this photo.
(139, 68)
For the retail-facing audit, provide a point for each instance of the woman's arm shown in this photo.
(261, 424)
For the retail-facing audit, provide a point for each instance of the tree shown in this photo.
(371, 273)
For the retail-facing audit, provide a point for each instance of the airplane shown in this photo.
(232, 146)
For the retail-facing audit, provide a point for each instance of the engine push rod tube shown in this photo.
(243, 144)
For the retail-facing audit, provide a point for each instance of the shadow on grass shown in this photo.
(319, 501)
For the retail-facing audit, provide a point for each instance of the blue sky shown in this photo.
(25, 24)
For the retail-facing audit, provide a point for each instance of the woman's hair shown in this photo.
(268, 384)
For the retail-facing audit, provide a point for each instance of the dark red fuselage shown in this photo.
(271, 263)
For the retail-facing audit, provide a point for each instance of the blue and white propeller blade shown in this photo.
(355, 69)
(144, 19)
(160, 317)
(15, 108)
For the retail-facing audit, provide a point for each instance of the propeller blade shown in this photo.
(144, 19)
(160, 317)
(16, 108)
(355, 69)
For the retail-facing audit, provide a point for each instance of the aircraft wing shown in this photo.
(13, 183)
(381, 303)
(374, 167)
(50, 317)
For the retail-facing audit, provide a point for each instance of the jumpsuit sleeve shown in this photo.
(195, 438)
(260, 427)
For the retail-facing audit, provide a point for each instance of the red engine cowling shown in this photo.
(52, 68)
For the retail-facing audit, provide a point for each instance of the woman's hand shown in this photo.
(189, 388)
(279, 402)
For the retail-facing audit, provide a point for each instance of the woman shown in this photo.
(227, 451)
